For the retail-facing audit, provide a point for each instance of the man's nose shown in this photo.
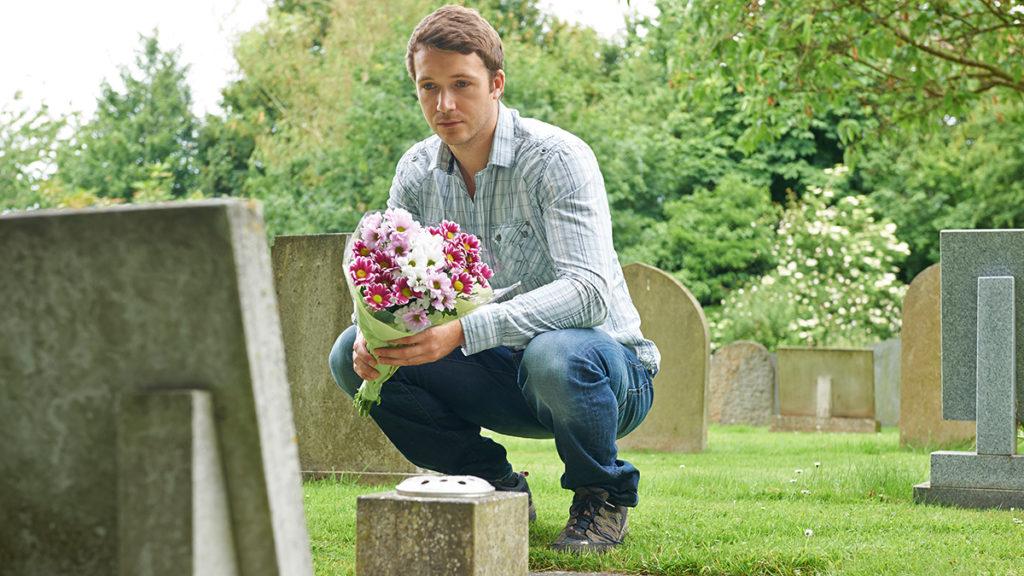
(445, 101)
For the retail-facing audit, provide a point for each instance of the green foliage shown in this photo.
(716, 239)
(968, 175)
(835, 282)
(330, 108)
(147, 124)
(28, 149)
(896, 62)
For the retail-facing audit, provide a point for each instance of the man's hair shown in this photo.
(457, 29)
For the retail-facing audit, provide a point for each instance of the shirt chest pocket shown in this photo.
(517, 253)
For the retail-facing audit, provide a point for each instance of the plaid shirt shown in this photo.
(541, 214)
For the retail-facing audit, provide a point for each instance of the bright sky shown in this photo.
(58, 51)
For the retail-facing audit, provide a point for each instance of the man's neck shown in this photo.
(473, 155)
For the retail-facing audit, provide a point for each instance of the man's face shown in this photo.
(458, 96)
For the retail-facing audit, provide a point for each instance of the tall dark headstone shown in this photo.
(982, 362)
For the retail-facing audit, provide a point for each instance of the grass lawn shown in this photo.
(743, 507)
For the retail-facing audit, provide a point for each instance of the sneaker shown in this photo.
(516, 482)
(594, 523)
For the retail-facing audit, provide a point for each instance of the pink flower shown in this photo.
(384, 261)
(462, 283)
(444, 300)
(378, 297)
(435, 230)
(399, 221)
(370, 231)
(449, 229)
(438, 283)
(371, 237)
(404, 293)
(469, 243)
(482, 272)
(359, 248)
(362, 270)
(415, 318)
(453, 256)
(400, 244)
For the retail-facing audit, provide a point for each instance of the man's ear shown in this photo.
(498, 84)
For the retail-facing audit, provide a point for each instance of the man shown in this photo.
(564, 357)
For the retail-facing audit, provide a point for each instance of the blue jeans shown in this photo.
(578, 386)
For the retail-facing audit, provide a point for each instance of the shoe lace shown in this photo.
(582, 513)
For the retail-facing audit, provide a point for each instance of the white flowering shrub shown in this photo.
(835, 283)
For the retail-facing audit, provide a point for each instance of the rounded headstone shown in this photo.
(742, 384)
(315, 306)
(674, 320)
(921, 422)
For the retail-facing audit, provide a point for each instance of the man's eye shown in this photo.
(428, 86)
(461, 84)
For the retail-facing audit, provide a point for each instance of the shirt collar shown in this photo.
(502, 148)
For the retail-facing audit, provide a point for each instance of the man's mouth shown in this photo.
(447, 123)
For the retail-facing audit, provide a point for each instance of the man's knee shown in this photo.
(553, 361)
(340, 362)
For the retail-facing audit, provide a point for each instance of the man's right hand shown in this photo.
(362, 361)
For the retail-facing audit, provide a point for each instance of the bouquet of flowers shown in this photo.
(405, 278)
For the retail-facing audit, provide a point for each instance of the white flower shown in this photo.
(808, 532)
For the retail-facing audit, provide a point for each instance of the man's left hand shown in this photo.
(424, 347)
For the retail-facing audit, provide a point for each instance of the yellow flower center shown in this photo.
(361, 273)
(458, 285)
(377, 298)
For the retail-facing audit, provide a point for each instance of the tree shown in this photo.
(28, 150)
(889, 61)
(137, 132)
(835, 281)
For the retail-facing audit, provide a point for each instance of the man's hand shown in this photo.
(428, 346)
(362, 361)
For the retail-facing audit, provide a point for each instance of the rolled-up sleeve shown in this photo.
(576, 219)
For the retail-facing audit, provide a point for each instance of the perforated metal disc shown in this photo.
(444, 486)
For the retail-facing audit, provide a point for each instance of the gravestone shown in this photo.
(142, 372)
(742, 385)
(921, 422)
(887, 381)
(826, 390)
(315, 307)
(674, 320)
(982, 362)
(440, 535)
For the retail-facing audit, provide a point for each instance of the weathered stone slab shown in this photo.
(168, 460)
(742, 385)
(315, 307)
(996, 413)
(101, 304)
(823, 424)
(674, 320)
(887, 382)
(850, 372)
(398, 535)
(966, 256)
(921, 422)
